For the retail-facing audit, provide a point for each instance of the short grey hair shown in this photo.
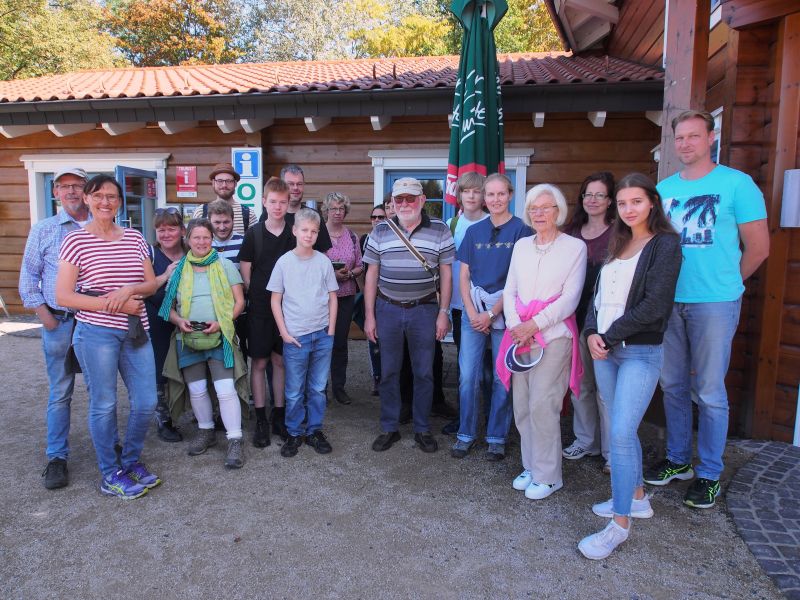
(293, 168)
(336, 198)
(550, 190)
(307, 214)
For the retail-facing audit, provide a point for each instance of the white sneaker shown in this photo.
(599, 545)
(522, 481)
(540, 491)
(575, 451)
(640, 509)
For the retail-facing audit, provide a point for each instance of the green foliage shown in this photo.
(176, 32)
(39, 37)
(527, 27)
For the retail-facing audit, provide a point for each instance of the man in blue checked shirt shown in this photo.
(37, 281)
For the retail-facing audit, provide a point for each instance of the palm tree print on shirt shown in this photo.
(695, 219)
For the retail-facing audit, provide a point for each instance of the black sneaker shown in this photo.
(426, 442)
(55, 474)
(291, 446)
(261, 434)
(385, 441)
(702, 493)
(666, 471)
(319, 442)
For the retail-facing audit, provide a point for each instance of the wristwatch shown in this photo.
(492, 316)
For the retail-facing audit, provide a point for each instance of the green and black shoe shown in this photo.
(666, 471)
(702, 493)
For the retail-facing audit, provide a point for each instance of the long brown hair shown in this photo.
(657, 221)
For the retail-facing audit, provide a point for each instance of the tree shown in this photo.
(176, 32)
(38, 37)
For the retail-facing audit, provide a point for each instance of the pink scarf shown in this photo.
(526, 312)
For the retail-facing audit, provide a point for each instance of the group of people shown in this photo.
(538, 306)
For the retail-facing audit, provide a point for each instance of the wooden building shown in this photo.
(355, 125)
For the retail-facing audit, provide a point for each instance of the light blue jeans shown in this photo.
(627, 380)
(470, 367)
(697, 345)
(55, 345)
(102, 352)
(306, 377)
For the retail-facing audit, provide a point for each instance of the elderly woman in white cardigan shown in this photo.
(542, 290)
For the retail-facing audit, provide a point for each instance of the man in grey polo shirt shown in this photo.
(401, 301)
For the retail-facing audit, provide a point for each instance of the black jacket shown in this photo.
(650, 299)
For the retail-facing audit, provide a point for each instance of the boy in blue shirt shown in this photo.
(304, 305)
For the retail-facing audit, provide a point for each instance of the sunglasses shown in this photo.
(377, 217)
(404, 200)
(169, 210)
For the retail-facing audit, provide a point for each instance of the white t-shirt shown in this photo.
(615, 284)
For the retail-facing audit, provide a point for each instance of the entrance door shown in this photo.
(139, 199)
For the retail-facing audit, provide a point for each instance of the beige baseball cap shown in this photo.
(407, 185)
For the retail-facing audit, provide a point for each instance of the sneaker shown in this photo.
(342, 397)
(495, 452)
(460, 449)
(599, 545)
(55, 474)
(640, 509)
(702, 493)
(121, 485)
(540, 491)
(139, 473)
(319, 442)
(575, 451)
(426, 442)
(291, 446)
(666, 471)
(522, 481)
(234, 458)
(204, 439)
(385, 441)
(261, 435)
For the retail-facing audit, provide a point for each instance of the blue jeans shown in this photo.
(418, 326)
(55, 345)
(627, 380)
(102, 352)
(697, 344)
(306, 378)
(470, 366)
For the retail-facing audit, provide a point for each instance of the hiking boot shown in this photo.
(166, 430)
(460, 449)
(204, 439)
(599, 545)
(234, 459)
(319, 442)
(342, 397)
(495, 452)
(666, 471)
(55, 474)
(291, 446)
(702, 493)
(426, 442)
(261, 434)
(120, 484)
(385, 441)
(139, 474)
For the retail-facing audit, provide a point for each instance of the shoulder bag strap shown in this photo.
(415, 253)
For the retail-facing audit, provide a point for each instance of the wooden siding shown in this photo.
(202, 146)
(639, 34)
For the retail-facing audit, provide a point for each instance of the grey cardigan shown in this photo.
(650, 299)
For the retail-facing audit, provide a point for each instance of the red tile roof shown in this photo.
(318, 76)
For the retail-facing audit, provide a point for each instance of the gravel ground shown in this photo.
(354, 524)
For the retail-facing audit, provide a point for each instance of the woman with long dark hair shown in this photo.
(624, 329)
(591, 222)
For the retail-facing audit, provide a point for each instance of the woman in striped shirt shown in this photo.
(104, 273)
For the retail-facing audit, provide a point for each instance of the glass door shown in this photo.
(139, 199)
(433, 188)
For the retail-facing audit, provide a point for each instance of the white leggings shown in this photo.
(229, 407)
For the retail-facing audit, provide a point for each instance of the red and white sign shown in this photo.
(186, 181)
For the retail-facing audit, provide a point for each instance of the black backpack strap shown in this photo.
(245, 216)
(205, 211)
(259, 244)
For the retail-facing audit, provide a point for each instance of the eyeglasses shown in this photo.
(337, 209)
(400, 200)
(75, 187)
(377, 217)
(224, 181)
(540, 210)
(597, 196)
(107, 197)
(169, 210)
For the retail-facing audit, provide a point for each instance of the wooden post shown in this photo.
(686, 65)
(783, 142)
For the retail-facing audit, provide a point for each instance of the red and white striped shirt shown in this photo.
(106, 266)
